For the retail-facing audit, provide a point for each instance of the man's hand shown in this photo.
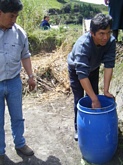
(109, 95)
(106, 2)
(31, 83)
(96, 104)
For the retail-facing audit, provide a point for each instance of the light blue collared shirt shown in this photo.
(13, 48)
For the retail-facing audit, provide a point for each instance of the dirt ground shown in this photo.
(49, 117)
(49, 131)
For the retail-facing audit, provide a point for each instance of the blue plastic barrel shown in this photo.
(97, 129)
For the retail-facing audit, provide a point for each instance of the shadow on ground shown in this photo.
(33, 160)
(52, 160)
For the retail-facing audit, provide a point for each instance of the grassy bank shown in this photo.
(30, 18)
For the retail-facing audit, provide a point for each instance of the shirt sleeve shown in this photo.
(23, 41)
(25, 52)
(109, 56)
(81, 61)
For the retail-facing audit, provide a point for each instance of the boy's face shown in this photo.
(101, 37)
(7, 20)
(47, 18)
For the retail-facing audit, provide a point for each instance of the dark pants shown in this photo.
(77, 89)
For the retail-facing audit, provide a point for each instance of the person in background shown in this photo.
(45, 23)
(116, 11)
(90, 50)
(13, 51)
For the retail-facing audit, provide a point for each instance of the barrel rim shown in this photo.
(102, 110)
(95, 112)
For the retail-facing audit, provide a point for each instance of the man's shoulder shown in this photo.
(112, 38)
(19, 28)
(85, 38)
(43, 22)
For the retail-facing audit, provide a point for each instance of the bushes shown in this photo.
(73, 13)
(34, 11)
(45, 40)
(48, 40)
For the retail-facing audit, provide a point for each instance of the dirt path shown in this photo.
(49, 131)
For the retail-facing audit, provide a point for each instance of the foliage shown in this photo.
(63, 13)
(34, 11)
(30, 16)
(73, 13)
(42, 40)
(48, 40)
(61, 1)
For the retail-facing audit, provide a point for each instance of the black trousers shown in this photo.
(77, 89)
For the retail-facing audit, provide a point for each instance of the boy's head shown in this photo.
(47, 18)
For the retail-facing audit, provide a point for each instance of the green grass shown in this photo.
(34, 11)
(48, 40)
(30, 18)
(43, 4)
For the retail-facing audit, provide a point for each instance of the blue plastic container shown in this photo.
(97, 129)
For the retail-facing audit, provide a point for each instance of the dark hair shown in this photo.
(10, 6)
(46, 16)
(100, 21)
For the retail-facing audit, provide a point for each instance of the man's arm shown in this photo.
(28, 68)
(88, 89)
(107, 78)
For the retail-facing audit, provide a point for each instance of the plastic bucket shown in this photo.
(97, 129)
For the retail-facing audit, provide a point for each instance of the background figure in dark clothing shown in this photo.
(116, 11)
(90, 50)
(45, 23)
